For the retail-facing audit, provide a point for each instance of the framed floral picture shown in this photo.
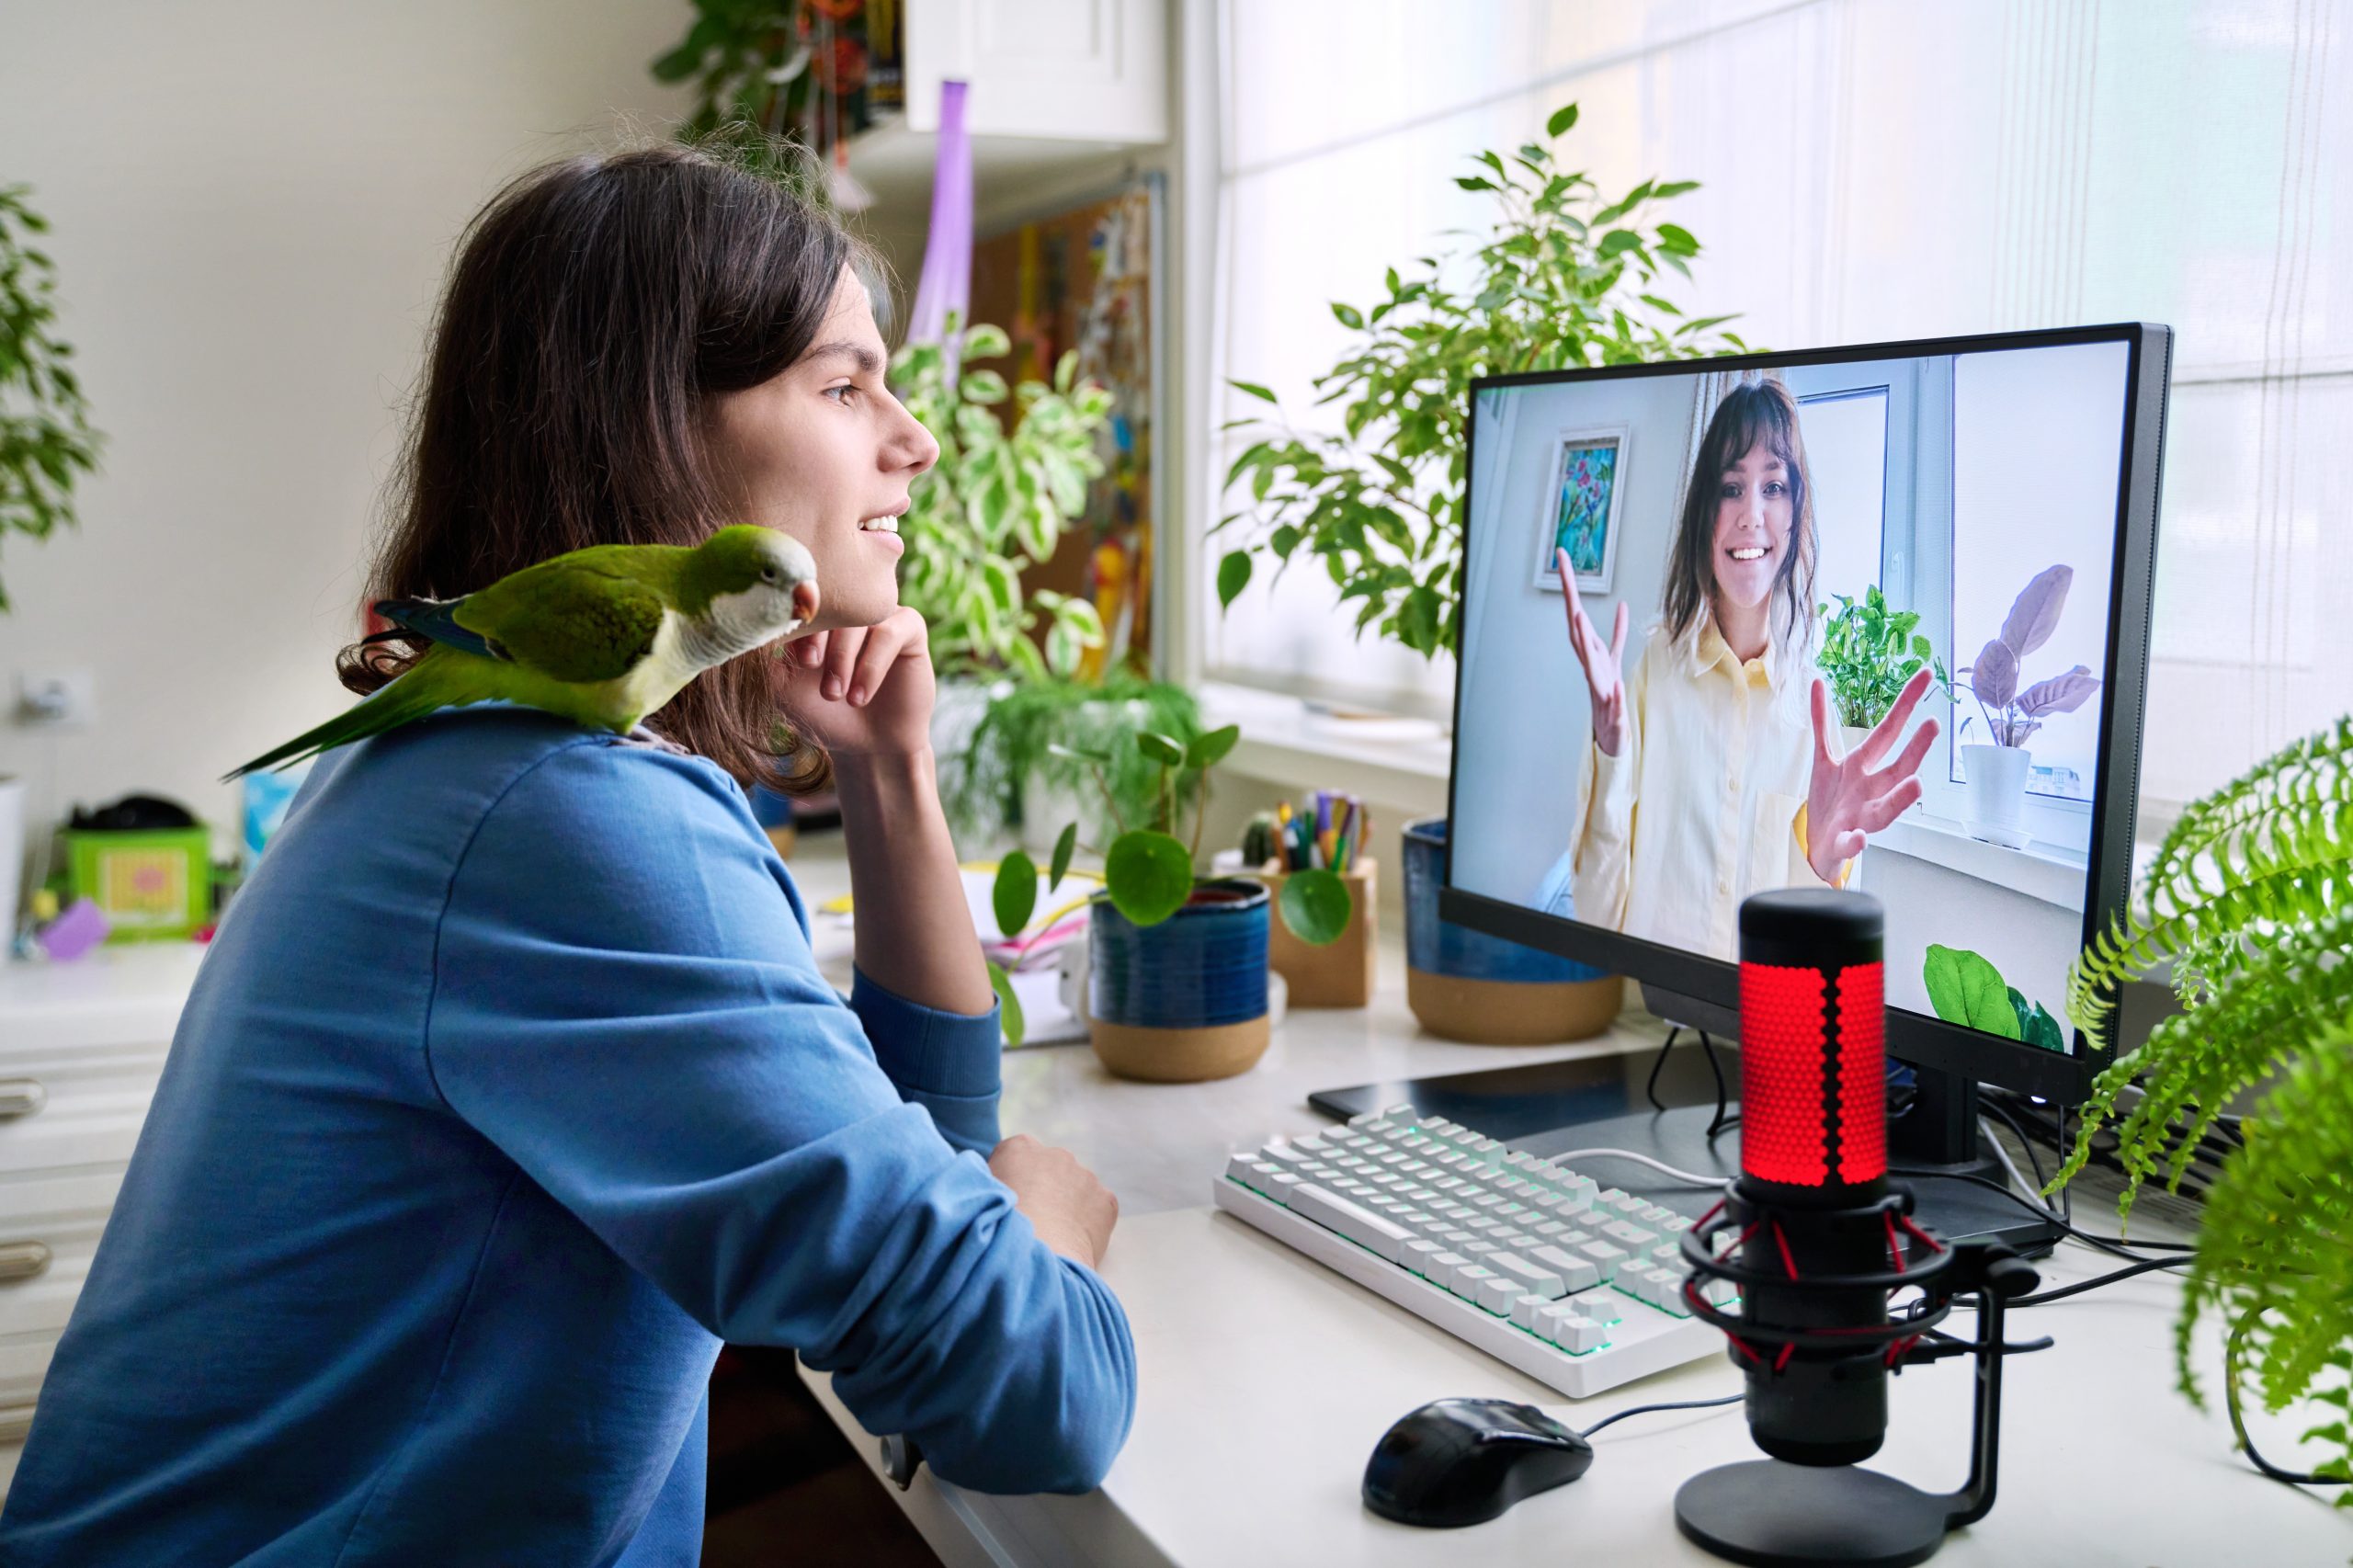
(1580, 509)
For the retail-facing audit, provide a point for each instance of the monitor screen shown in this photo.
(1784, 540)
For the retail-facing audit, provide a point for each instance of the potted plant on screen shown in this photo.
(1176, 987)
(1869, 651)
(46, 443)
(1996, 767)
(1565, 277)
(2250, 901)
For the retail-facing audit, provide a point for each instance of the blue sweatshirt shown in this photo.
(509, 1089)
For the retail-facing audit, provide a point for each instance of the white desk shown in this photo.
(1266, 1379)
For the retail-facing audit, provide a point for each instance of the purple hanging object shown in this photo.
(945, 289)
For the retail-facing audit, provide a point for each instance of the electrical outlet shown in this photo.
(57, 699)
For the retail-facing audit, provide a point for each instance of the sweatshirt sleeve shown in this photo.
(1604, 839)
(626, 1005)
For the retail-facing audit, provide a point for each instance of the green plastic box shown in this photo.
(156, 885)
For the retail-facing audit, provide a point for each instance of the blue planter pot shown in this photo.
(1184, 1000)
(1468, 985)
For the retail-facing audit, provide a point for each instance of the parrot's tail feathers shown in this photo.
(438, 620)
(408, 699)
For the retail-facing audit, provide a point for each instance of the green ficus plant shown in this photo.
(2250, 899)
(995, 504)
(1566, 278)
(46, 441)
(1869, 651)
(1148, 871)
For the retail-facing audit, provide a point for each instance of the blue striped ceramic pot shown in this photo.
(1467, 985)
(1185, 1000)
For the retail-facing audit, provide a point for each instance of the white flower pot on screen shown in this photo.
(1997, 793)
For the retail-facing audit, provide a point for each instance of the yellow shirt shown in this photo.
(1705, 805)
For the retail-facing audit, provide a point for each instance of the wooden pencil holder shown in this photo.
(1340, 973)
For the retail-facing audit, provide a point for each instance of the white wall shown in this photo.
(254, 203)
(1524, 697)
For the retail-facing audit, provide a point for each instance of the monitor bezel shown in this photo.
(1913, 1037)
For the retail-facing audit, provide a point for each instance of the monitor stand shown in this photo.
(1600, 1102)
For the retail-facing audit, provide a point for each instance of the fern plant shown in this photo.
(2250, 898)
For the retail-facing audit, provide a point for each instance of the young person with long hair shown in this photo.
(1714, 771)
(510, 1087)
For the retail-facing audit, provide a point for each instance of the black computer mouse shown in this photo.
(1464, 1461)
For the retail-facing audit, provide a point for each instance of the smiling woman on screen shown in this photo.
(1713, 772)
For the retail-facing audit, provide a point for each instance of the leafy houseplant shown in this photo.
(778, 67)
(1965, 988)
(1148, 871)
(1997, 771)
(45, 434)
(1565, 278)
(1868, 653)
(995, 504)
(1039, 734)
(2012, 716)
(2250, 898)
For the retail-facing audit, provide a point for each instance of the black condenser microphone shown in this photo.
(1813, 1169)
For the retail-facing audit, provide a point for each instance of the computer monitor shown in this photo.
(2001, 489)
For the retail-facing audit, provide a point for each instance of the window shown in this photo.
(1869, 171)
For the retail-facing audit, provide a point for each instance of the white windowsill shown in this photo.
(1396, 762)
(2044, 872)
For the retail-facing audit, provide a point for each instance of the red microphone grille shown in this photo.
(1812, 1040)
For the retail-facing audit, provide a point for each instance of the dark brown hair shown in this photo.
(1758, 410)
(595, 305)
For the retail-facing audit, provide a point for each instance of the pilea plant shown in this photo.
(2250, 898)
(2012, 716)
(1148, 871)
(1566, 278)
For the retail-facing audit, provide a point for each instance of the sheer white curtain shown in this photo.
(1872, 170)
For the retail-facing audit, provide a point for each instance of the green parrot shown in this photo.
(601, 636)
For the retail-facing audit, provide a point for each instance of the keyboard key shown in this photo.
(1604, 1256)
(1497, 1293)
(1417, 1255)
(1577, 1273)
(1524, 1311)
(1628, 1234)
(1334, 1212)
(1516, 1239)
(1469, 1279)
(1534, 1277)
(1364, 1117)
(1552, 1230)
(1442, 1265)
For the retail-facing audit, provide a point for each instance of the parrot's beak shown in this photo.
(804, 611)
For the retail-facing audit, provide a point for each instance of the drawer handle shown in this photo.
(15, 1420)
(22, 1260)
(21, 1096)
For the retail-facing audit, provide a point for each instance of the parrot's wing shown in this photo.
(442, 679)
(567, 620)
(437, 619)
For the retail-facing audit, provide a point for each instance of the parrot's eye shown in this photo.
(768, 574)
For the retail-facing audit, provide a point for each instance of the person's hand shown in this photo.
(1604, 663)
(1849, 799)
(1071, 1211)
(861, 690)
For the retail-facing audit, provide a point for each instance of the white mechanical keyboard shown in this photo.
(1578, 1285)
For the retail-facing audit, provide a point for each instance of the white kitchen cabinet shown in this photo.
(1076, 70)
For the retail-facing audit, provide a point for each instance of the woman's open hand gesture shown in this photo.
(1849, 799)
(1604, 663)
